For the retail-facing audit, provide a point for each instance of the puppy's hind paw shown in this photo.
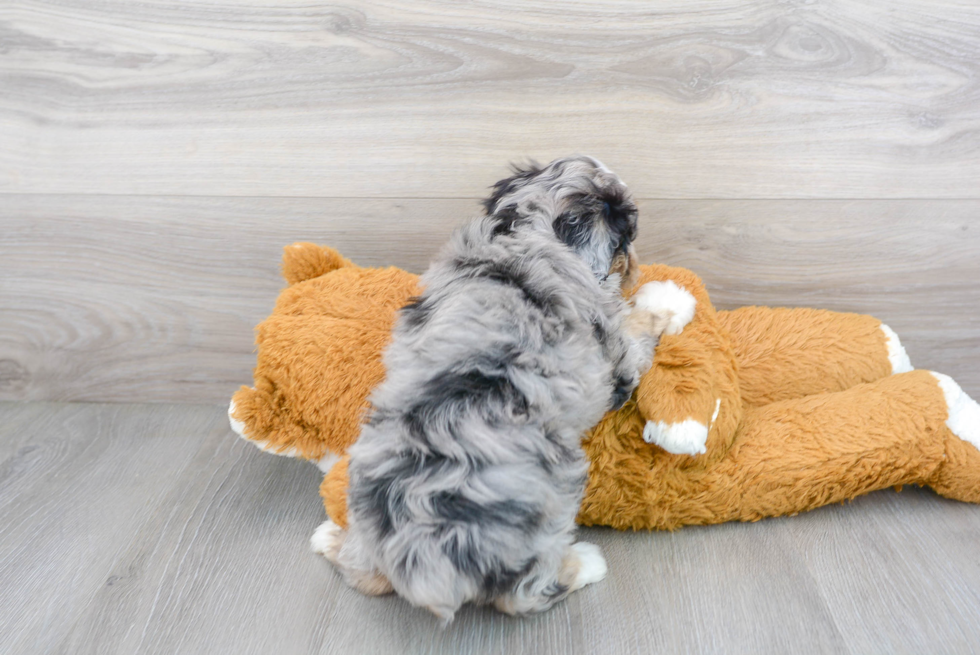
(327, 540)
(592, 565)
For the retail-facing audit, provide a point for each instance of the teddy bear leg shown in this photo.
(796, 455)
(958, 476)
(792, 353)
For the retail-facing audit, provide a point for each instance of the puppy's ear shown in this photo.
(600, 226)
(575, 227)
(580, 229)
(506, 186)
(620, 216)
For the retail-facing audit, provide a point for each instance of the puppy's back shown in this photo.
(468, 475)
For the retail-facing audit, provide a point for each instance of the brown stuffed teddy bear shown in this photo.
(745, 414)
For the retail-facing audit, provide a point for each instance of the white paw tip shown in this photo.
(327, 539)
(685, 438)
(658, 296)
(592, 565)
(896, 351)
(236, 425)
(964, 412)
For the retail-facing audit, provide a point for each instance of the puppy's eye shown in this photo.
(606, 208)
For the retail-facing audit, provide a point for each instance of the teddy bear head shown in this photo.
(319, 353)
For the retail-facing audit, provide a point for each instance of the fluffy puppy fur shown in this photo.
(468, 473)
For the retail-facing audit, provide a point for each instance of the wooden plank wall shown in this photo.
(155, 157)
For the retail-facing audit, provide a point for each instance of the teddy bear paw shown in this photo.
(667, 297)
(963, 411)
(324, 463)
(897, 356)
(685, 438)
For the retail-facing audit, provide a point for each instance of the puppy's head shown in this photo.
(586, 205)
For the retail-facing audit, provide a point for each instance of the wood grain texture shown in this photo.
(706, 590)
(221, 566)
(912, 264)
(154, 299)
(78, 485)
(418, 98)
(153, 529)
(862, 563)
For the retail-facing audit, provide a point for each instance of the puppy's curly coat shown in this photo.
(468, 473)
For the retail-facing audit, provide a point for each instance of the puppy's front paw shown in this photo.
(673, 304)
(592, 565)
(685, 438)
(642, 322)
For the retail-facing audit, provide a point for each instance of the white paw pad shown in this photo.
(592, 565)
(964, 412)
(685, 438)
(327, 540)
(659, 296)
(896, 352)
(239, 429)
(325, 463)
(236, 425)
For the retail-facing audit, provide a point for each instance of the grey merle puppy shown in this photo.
(468, 473)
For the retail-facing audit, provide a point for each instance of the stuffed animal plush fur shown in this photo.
(745, 414)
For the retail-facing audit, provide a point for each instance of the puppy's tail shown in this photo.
(444, 613)
(431, 582)
(442, 601)
(305, 261)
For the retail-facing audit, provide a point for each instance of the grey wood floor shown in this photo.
(156, 156)
(134, 528)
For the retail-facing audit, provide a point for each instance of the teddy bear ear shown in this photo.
(304, 261)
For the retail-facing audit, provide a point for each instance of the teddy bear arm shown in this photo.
(682, 394)
(678, 397)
